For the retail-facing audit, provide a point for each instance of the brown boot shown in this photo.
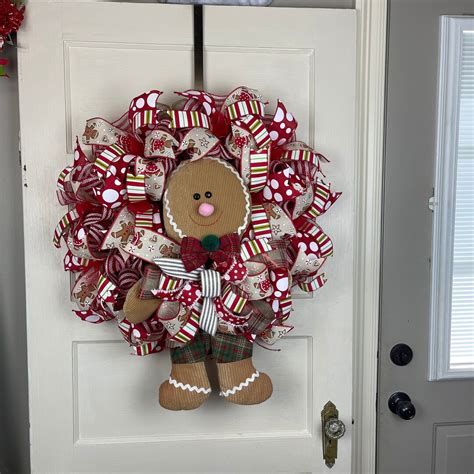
(242, 384)
(187, 387)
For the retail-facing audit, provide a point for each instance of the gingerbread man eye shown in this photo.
(197, 196)
(208, 194)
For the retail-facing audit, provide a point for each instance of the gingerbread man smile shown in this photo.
(216, 194)
(206, 223)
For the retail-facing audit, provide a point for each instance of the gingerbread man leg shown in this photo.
(239, 381)
(188, 385)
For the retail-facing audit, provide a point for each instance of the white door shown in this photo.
(93, 407)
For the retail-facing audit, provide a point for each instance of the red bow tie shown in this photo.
(195, 253)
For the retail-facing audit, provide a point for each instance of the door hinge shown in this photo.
(432, 202)
(19, 147)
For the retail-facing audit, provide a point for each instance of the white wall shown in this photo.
(14, 440)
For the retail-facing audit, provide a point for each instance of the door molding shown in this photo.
(371, 37)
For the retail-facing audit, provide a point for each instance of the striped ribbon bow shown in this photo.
(210, 288)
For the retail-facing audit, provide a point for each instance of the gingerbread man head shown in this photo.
(205, 197)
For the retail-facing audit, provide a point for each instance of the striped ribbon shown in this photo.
(259, 162)
(145, 348)
(233, 298)
(105, 289)
(286, 305)
(124, 327)
(211, 288)
(63, 224)
(166, 283)
(105, 159)
(260, 222)
(144, 219)
(188, 119)
(312, 283)
(245, 107)
(136, 187)
(143, 119)
(257, 128)
(62, 177)
(174, 267)
(254, 247)
(324, 243)
(302, 155)
(189, 330)
(322, 201)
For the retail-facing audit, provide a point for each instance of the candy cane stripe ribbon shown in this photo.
(188, 331)
(258, 130)
(188, 119)
(254, 247)
(136, 187)
(233, 300)
(105, 159)
(245, 107)
(260, 222)
(302, 155)
(105, 289)
(313, 283)
(63, 224)
(259, 161)
(62, 177)
(144, 219)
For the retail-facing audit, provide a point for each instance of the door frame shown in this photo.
(371, 49)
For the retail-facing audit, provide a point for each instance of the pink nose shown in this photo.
(206, 209)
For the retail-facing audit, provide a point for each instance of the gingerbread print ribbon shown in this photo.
(113, 227)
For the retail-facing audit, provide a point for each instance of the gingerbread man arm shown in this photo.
(137, 310)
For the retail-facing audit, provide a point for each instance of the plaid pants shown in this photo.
(222, 347)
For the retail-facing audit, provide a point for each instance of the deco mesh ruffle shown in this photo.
(115, 236)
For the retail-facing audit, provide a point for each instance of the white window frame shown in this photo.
(451, 31)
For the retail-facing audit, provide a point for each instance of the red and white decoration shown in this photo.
(113, 228)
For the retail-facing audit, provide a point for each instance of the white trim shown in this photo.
(242, 385)
(372, 34)
(189, 388)
(451, 30)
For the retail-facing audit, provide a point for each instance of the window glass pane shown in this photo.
(462, 294)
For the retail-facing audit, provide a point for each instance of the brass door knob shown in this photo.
(334, 428)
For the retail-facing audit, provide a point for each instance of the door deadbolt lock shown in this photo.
(332, 429)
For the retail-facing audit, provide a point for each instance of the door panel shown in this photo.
(413, 446)
(93, 406)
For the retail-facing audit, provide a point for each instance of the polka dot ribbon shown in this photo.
(113, 227)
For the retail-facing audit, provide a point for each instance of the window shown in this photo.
(452, 300)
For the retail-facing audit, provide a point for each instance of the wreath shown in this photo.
(189, 226)
(11, 17)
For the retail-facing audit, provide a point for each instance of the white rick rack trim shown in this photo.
(244, 187)
(233, 390)
(189, 388)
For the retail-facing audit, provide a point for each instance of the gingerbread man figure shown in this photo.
(206, 208)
